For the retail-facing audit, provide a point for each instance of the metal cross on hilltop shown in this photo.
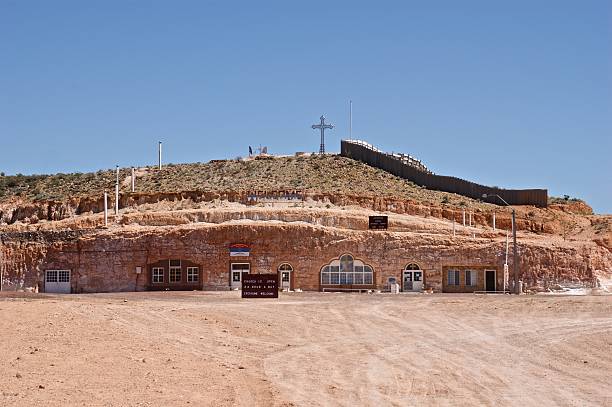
(322, 126)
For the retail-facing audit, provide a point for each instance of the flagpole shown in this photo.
(350, 119)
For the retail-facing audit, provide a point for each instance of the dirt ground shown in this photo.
(305, 349)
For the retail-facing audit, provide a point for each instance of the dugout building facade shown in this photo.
(303, 256)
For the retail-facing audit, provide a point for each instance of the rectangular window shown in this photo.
(51, 276)
(343, 278)
(358, 278)
(453, 277)
(334, 278)
(471, 278)
(157, 275)
(193, 274)
(367, 278)
(175, 275)
(324, 278)
(63, 276)
(175, 263)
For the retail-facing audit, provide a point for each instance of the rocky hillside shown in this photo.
(564, 242)
(327, 174)
(333, 179)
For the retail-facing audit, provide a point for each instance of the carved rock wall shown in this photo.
(106, 260)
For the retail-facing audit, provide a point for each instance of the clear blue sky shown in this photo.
(507, 93)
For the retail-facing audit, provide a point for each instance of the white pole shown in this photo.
(133, 180)
(470, 219)
(506, 264)
(494, 221)
(117, 193)
(506, 247)
(105, 208)
(454, 234)
(464, 218)
(159, 151)
(351, 119)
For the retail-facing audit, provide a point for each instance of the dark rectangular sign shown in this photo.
(260, 286)
(379, 222)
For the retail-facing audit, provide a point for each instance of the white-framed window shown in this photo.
(193, 274)
(285, 267)
(452, 277)
(471, 277)
(63, 276)
(157, 275)
(347, 271)
(175, 274)
(51, 276)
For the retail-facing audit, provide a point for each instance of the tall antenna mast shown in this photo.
(350, 119)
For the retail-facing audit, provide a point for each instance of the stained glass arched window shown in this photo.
(347, 271)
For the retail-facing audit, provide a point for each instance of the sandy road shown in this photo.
(202, 348)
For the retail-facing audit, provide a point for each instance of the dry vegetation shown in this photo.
(324, 174)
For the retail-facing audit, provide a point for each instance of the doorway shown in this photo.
(57, 281)
(412, 278)
(284, 276)
(237, 271)
(490, 279)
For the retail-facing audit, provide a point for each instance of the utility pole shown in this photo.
(105, 209)
(515, 276)
(515, 253)
(133, 180)
(117, 191)
(1, 272)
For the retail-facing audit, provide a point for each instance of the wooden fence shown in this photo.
(419, 174)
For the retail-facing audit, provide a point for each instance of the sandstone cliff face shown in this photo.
(56, 222)
(560, 219)
(557, 245)
(106, 260)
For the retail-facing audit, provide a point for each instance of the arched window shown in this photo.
(285, 267)
(347, 271)
(412, 266)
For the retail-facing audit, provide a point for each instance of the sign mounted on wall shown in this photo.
(240, 250)
(379, 222)
(281, 197)
(260, 286)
